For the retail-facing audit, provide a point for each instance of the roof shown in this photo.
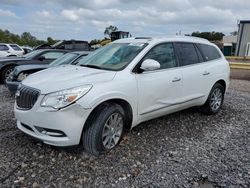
(244, 21)
(52, 49)
(163, 39)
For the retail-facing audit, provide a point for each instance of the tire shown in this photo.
(95, 138)
(213, 106)
(5, 72)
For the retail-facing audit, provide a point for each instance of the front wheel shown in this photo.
(6, 72)
(214, 100)
(104, 129)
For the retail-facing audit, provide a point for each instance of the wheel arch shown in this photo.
(223, 83)
(3, 67)
(122, 102)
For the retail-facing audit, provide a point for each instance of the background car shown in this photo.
(27, 49)
(22, 71)
(45, 56)
(75, 45)
(7, 50)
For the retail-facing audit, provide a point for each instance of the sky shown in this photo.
(87, 19)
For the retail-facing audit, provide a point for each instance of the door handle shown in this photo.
(176, 79)
(205, 73)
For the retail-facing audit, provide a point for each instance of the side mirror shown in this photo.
(150, 64)
(41, 58)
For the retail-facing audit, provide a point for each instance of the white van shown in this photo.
(119, 86)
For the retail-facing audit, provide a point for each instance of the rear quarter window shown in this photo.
(209, 52)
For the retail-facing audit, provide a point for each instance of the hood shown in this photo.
(66, 76)
(30, 67)
(7, 59)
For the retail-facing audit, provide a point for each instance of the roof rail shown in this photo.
(143, 37)
(198, 38)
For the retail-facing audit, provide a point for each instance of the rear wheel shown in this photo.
(215, 100)
(104, 129)
(6, 72)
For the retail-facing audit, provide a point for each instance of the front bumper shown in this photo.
(69, 121)
(12, 85)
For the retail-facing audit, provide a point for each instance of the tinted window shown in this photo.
(186, 53)
(164, 54)
(209, 52)
(15, 47)
(3, 47)
(52, 55)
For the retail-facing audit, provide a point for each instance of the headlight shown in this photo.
(22, 76)
(65, 97)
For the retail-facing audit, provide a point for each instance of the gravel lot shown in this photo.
(185, 149)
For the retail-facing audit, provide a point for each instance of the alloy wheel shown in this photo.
(216, 99)
(112, 131)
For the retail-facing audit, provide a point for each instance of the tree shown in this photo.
(211, 36)
(25, 38)
(234, 33)
(108, 30)
(51, 41)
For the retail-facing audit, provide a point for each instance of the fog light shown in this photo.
(50, 132)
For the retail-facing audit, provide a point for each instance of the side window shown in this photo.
(186, 53)
(209, 52)
(15, 47)
(52, 55)
(3, 47)
(164, 54)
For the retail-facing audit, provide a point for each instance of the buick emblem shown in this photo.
(17, 93)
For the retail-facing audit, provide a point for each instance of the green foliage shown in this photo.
(108, 30)
(97, 41)
(24, 39)
(51, 41)
(234, 33)
(211, 36)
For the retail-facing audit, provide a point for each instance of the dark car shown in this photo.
(22, 71)
(75, 45)
(44, 56)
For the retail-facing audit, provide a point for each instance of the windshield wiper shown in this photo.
(91, 66)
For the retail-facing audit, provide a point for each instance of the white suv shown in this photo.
(119, 86)
(7, 50)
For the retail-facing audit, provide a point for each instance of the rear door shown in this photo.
(213, 68)
(192, 68)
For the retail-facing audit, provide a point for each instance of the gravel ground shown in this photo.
(185, 149)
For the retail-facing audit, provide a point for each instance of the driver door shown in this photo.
(159, 91)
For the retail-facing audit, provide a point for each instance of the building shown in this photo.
(229, 45)
(115, 35)
(243, 41)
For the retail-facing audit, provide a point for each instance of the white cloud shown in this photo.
(70, 15)
(44, 14)
(90, 17)
(7, 13)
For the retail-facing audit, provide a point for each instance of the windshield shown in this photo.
(114, 56)
(65, 59)
(32, 54)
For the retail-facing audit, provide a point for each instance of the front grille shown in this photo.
(26, 97)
